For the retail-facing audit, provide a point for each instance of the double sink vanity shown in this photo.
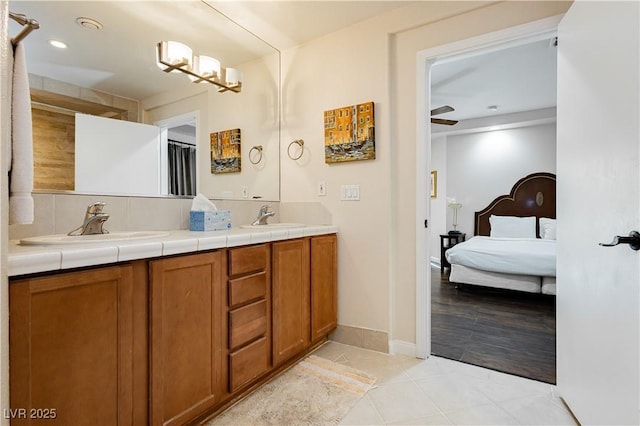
(163, 328)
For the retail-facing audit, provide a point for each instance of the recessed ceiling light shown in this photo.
(88, 23)
(58, 44)
(492, 108)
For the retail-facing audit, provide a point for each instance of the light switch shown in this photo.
(322, 188)
(245, 191)
(350, 192)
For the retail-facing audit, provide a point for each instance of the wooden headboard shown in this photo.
(533, 195)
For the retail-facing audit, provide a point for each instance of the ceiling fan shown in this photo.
(442, 110)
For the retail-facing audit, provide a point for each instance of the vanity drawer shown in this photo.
(245, 289)
(248, 363)
(247, 323)
(244, 260)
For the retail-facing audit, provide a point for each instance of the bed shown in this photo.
(513, 246)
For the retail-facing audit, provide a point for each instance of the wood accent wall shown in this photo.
(53, 106)
(53, 149)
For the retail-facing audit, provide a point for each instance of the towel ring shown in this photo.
(300, 144)
(256, 148)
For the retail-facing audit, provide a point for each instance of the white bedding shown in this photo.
(523, 256)
(464, 275)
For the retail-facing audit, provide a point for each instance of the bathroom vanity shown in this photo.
(171, 331)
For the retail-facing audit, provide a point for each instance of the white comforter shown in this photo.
(524, 256)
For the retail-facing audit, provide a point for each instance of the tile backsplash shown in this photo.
(59, 213)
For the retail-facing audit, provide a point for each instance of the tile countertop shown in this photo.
(29, 259)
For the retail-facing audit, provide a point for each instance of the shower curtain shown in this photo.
(182, 168)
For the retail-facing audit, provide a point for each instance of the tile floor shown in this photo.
(438, 391)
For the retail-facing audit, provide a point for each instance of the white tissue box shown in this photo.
(219, 220)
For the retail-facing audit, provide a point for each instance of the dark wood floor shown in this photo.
(513, 332)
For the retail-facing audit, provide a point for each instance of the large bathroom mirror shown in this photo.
(109, 70)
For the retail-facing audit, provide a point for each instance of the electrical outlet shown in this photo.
(322, 188)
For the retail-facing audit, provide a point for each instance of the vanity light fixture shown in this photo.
(173, 56)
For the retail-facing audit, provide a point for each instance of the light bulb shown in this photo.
(206, 67)
(175, 53)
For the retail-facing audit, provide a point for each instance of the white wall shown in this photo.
(482, 166)
(438, 221)
(330, 73)
(376, 61)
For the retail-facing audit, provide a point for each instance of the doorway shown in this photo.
(520, 35)
(179, 154)
(503, 107)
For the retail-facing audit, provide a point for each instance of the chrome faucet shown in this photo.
(263, 215)
(94, 219)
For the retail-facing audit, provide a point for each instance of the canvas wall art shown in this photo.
(225, 151)
(349, 134)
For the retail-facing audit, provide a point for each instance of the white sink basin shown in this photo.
(282, 225)
(91, 239)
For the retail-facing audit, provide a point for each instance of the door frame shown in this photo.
(165, 125)
(425, 59)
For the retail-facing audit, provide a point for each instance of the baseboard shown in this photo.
(435, 262)
(361, 337)
(371, 339)
(399, 347)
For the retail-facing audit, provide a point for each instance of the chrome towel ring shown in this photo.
(300, 144)
(257, 157)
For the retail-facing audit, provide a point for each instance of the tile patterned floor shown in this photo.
(438, 391)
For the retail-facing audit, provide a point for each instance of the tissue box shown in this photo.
(219, 220)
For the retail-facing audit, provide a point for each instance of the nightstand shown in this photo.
(446, 242)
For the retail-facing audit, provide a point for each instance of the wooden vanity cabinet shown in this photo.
(169, 340)
(249, 314)
(78, 347)
(291, 299)
(187, 364)
(305, 294)
(324, 286)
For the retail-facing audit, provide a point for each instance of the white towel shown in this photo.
(21, 173)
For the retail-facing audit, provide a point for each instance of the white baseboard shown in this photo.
(435, 262)
(399, 347)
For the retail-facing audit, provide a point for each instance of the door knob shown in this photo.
(633, 240)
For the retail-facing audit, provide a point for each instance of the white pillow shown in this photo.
(547, 228)
(512, 226)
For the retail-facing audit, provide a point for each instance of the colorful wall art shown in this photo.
(349, 134)
(225, 151)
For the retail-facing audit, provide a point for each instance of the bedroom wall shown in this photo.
(481, 166)
(438, 204)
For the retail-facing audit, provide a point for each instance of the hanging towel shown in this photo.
(21, 172)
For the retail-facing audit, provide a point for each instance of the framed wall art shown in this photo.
(434, 184)
(225, 151)
(349, 134)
